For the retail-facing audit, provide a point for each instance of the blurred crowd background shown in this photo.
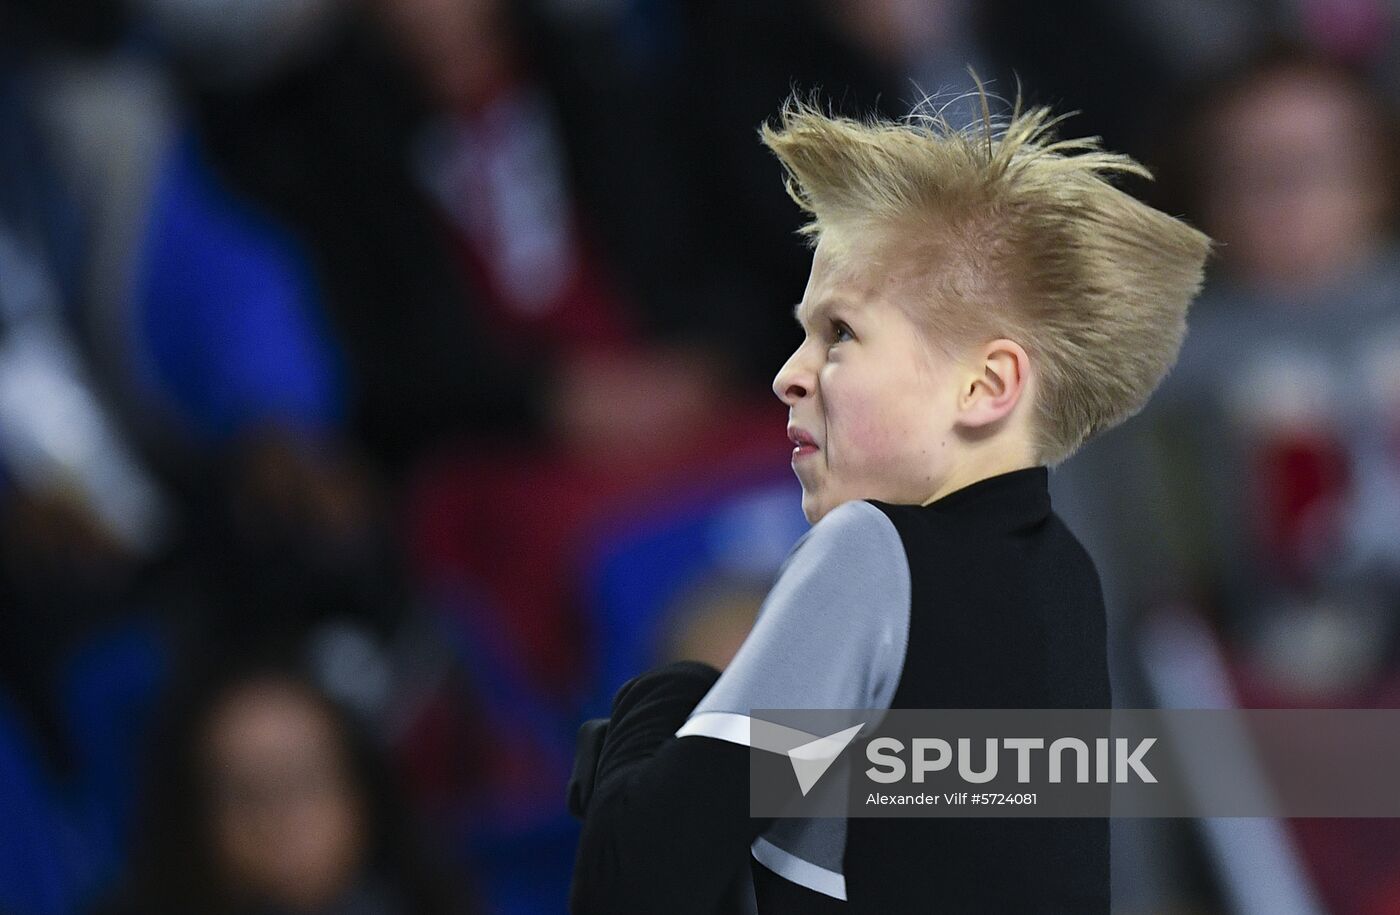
(384, 382)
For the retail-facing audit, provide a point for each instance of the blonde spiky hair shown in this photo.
(1021, 235)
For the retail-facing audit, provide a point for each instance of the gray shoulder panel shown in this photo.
(834, 629)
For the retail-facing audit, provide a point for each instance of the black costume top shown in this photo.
(981, 599)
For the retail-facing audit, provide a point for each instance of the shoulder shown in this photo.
(833, 630)
(850, 514)
(1079, 558)
(858, 533)
(853, 522)
(914, 525)
(853, 557)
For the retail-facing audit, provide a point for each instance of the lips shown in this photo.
(803, 442)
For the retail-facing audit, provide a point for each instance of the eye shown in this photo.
(840, 332)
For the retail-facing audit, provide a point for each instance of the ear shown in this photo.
(999, 376)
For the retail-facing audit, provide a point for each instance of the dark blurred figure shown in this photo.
(193, 318)
(439, 167)
(1090, 57)
(82, 520)
(300, 536)
(265, 797)
(170, 402)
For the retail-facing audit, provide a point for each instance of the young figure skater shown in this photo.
(981, 302)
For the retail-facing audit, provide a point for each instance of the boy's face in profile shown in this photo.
(871, 405)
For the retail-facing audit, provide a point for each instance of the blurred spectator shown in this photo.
(265, 797)
(1268, 460)
(82, 518)
(1284, 383)
(441, 168)
(196, 310)
(204, 322)
(1292, 164)
(500, 172)
(199, 320)
(169, 400)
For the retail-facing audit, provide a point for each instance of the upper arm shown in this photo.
(669, 817)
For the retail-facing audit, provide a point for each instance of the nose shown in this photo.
(794, 380)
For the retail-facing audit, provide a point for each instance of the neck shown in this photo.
(979, 466)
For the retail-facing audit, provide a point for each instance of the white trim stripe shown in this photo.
(730, 726)
(799, 870)
(737, 728)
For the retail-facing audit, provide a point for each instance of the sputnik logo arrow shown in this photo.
(811, 760)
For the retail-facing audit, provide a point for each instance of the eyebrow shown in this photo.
(822, 306)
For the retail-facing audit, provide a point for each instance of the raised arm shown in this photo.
(667, 827)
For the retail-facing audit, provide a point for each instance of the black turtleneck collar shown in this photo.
(1011, 499)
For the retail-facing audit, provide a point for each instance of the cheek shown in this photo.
(873, 436)
(865, 425)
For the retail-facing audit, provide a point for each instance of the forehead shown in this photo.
(844, 275)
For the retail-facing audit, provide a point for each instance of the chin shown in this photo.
(815, 507)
